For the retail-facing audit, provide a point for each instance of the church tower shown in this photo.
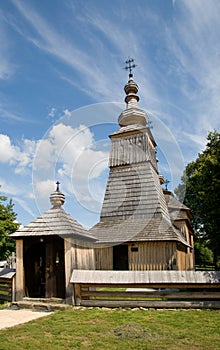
(135, 231)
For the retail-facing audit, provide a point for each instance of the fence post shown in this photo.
(77, 294)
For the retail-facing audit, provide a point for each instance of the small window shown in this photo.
(134, 249)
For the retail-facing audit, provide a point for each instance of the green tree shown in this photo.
(203, 255)
(200, 191)
(7, 226)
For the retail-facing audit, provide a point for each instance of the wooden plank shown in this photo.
(6, 274)
(5, 283)
(156, 294)
(152, 304)
(7, 288)
(19, 278)
(156, 286)
(146, 277)
(77, 294)
(5, 297)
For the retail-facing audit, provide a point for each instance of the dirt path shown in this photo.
(11, 317)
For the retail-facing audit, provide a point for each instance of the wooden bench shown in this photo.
(149, 289)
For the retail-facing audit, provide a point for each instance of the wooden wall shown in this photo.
(152, 256)
(149, 256)
(185, 258)
(78, 255)
(104, 258)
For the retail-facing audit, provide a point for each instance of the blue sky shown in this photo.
(61, 92)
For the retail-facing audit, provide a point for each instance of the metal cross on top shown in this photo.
(58, 183)
(166, 182)
(130, 65)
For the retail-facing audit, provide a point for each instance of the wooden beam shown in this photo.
(152, 304)
(155, 294)
(77, 294)
(165, 277)
(19, 270)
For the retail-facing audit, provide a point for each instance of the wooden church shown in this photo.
(141, 227)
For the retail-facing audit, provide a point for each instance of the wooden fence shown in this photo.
(149, 289)
(7, 284)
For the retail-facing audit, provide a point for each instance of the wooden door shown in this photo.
(55, 268)
(120, 257)
(34, 268)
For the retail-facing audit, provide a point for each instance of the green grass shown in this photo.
(92, 328)
(3, 305)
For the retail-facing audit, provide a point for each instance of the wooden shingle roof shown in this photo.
(177, 210)
(133, 230)
(55, 221)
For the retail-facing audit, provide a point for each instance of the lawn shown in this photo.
(92, 328)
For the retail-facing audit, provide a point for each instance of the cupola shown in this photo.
(57, 198)
(132, 115)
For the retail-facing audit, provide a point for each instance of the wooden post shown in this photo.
(77, 294)
(13, 291)
(19, 270)
(68, 270)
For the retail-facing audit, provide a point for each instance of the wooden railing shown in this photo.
(149, 289)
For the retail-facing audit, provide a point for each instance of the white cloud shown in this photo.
(19, 157)
(69, 152)
(74, 157)
(44, 188)
(8, 152)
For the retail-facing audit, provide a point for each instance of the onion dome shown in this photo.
(132, 115)
(57, 198)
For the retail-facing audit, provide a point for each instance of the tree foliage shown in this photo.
(7, 226)
(203, 255)
(200, 191)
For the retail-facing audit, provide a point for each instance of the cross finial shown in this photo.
(57, 183)
(166, 182)
(130, 65)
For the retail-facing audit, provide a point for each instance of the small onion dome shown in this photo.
(131, 89)
(57, 198)
(132, 115)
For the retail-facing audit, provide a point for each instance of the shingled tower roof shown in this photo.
(134, 207)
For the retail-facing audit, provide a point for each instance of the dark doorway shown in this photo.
(120, 257)
(44, 267)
